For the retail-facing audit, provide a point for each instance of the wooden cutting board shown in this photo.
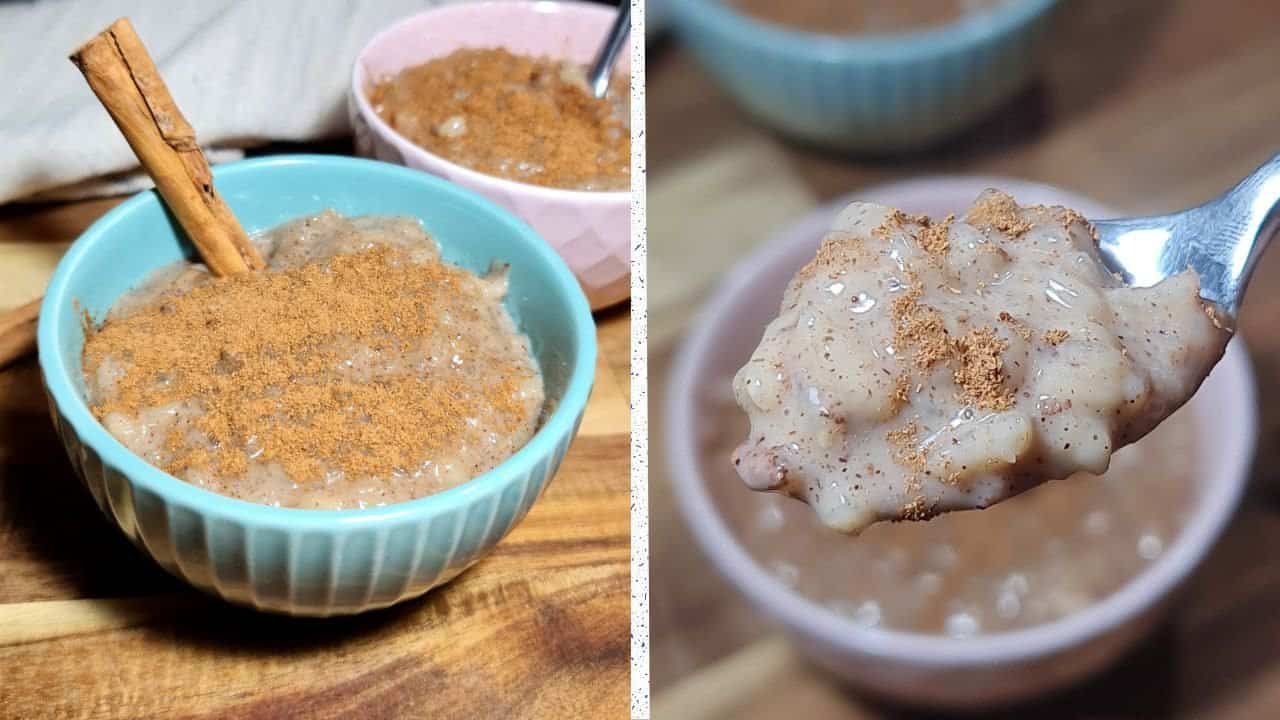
(89, 627)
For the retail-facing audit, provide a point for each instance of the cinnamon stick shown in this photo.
(18, 332)
(120, 71)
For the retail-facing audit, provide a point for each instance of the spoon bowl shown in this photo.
(1221, 240)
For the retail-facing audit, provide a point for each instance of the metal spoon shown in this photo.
(1221, 240)
(602, 66)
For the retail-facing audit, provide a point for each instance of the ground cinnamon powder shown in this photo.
(1056, 336)
(264, 354)
(518, 117)
(935, 239)
(906, 448)
(979, 369)
(901, 392)
(921, 327)
(1000, 211)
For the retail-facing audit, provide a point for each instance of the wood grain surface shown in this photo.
(1147, 105)
(89, 627)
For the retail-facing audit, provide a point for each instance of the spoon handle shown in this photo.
(1251, 211)
(602, 66)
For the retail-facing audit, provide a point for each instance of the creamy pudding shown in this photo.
(1035, 558)
(360, 369)
(518, 117)
(924, 365)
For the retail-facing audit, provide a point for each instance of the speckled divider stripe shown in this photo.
(639, 383)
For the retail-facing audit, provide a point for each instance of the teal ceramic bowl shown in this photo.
(868, 93)
(309, 562)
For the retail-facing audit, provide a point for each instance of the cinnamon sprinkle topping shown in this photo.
(1055, 337)
(838, 249)
(979, 369)
(901, 392)
(921, 327)
(524, 118)
(268, 358)
(998, 210)
(905, 435)
(935, 238)
(916, 509)
(907, 451)
(1068, 218)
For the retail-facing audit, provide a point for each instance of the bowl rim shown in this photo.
(966, 31)
(475, 178)
(818, 624)
(559, 425)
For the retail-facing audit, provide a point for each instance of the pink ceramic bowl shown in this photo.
(590, 230)
(912, 667)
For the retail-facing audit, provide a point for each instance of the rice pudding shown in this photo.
(359, 369)
(921, 366)
(518, 117)
(1035, 558)
(850, 17)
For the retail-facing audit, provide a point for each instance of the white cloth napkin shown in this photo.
(244, 72)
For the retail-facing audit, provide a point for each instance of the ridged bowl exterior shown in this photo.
(324, 571)
(868, 93)
(304, 562)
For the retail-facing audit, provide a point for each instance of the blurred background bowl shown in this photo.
(590, 230)
(916, 668)
(316, 562)
(868, 93)
(656, 15)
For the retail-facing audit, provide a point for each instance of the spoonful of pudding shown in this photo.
(923, 365)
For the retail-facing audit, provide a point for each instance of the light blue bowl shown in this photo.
(309, 562)
(868, 93)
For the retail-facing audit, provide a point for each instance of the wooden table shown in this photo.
(540, 628)
(1147, 105)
